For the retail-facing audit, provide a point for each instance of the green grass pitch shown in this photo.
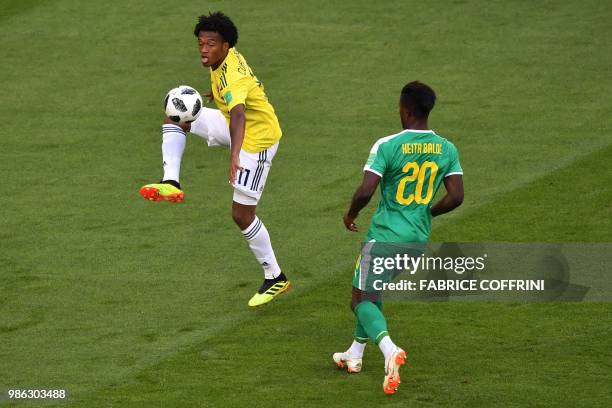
(127, 303)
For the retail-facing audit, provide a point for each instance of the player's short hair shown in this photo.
(219, 23)
(418, 98)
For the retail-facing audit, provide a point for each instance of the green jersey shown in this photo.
(412, 165)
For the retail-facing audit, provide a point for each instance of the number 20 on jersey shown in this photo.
(409, 191)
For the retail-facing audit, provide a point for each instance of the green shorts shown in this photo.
(381, 263)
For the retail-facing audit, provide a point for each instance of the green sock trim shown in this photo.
(380, 336)
(361, 340)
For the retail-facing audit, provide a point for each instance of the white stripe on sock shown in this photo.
(258, 239)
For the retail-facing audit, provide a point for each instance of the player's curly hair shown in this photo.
(218, 23)
(418, 98)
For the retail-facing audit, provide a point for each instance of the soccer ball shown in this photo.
(183, 104)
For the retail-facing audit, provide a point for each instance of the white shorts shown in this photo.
(212, 126)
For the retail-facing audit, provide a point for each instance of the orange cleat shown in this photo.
(392, 378)
(162, 192)
(342, 360)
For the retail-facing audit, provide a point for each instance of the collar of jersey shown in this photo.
(222, 62)
(417, 131)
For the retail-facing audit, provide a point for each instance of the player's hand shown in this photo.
(349, 223)
(209, 96)
(234, 168)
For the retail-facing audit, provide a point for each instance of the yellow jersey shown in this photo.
(234, 83)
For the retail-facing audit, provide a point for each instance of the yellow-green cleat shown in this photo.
(162, 192)
(270, 289)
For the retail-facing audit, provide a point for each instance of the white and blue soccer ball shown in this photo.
(183, 104)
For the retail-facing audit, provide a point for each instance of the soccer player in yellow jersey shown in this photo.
(245, 121)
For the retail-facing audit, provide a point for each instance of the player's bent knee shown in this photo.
(185, 126)
(242, 217)
(359, 296)
(355, 303)
(240, 220)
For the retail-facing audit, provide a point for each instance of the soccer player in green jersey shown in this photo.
(409, 166)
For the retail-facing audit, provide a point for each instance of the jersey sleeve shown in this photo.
(235, 93)
(454, 166)
(376, 161)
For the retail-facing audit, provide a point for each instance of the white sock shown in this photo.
(356, 349)
(258, 238)
(387, 347)
(173, 146)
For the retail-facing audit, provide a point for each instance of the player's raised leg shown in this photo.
(173, 146)
(210, 125)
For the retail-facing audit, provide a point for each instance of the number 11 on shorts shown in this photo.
(246, 178)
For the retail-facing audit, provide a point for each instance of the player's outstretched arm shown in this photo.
(453, 197)
(361, 198)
